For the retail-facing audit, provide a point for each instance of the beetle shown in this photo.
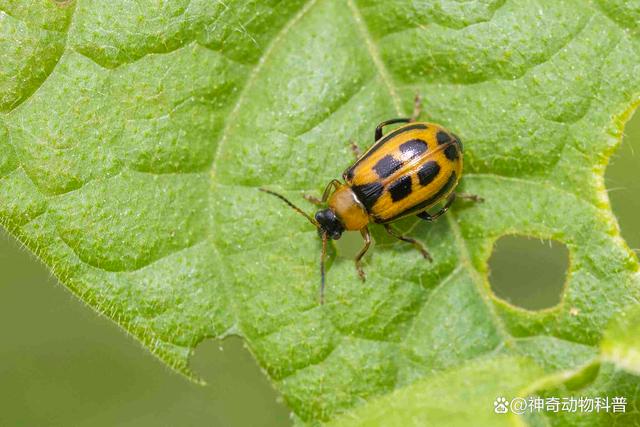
(405, 172)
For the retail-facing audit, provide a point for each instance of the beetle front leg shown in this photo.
(367, 242)
(312, 199)
(333, 185)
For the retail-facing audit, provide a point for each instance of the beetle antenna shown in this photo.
(294, 207)
(322, 274)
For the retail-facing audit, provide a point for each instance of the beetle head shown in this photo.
(329, 223)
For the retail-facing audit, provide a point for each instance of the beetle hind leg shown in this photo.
(432, 217)
(419, 246)
(452, 197)
(470, 197)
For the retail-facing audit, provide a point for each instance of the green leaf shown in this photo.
(460, 397)
(621, 343)
(613, 374)
(134, 135)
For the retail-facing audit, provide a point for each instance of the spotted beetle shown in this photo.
(405, 172)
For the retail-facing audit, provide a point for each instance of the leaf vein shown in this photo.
(375, 56)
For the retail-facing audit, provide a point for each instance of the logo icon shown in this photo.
(500, 405)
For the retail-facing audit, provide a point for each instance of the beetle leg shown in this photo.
(471, 197)
(429, 217)
(334, 184)
(323, 255)
(378, 133)
(417, 108)
(356, 150)
(419, 246)
(313, 199)
(365, 248)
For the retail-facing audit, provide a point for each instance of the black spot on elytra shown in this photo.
(386, 166)
(451, 152)
(413, 148)
(428, 172)
(389, 136)
(442, 137)
(446, 188)
(400, 188)
(368, 194)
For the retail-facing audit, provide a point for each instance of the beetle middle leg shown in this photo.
(367, 242)
(378, 133)
(419, 246)
(417, 109)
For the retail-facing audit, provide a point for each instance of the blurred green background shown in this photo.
(63, 365)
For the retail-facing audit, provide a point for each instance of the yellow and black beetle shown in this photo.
(405, 172)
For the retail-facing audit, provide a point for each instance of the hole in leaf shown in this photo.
(528, 273)
(623, 183)
(234, 376)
